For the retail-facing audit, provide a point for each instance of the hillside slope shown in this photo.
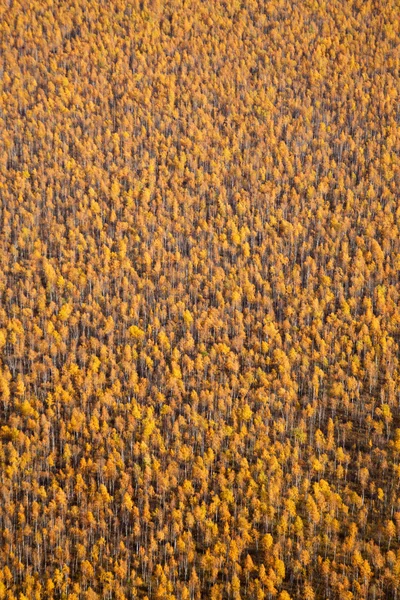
(199, 300)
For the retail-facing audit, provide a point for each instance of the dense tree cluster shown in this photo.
(200, 301)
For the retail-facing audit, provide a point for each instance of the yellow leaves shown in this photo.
(247, 413)
(320, 439)
(64, 81)
(357, 558)
(182, 161)
(95, 363)
(109, 325)
(187, 488)
(122, 248)
(3, 338)
(396, 442)
(136, 333)
(246, 249)
(149, 426)
(236, 297)
(364, 476)
(298, 526)
(345, 308)
(267, 541)
(187, 317)
(290, 507)
(74, 369)
(27, 410)
(341, 455)
(95, 207)
(50, 273)
(235, 235)
(146, 195)
(227, 154)
(390, 529)
(104, 493)
(279, 567)
(224, 349)
(386, 413)
(308, 593)
(69, 164)
(77, 420)
(60, 283)
(235, 584)
(49, 586)
(127, 502)
(135, 409)
(115, 190)
(366, 570)
(313, 510)
(65, 312)
(87, 569)
(227, 496)
(19, 387)
(316, 464)
(4, 388)
(176, 370)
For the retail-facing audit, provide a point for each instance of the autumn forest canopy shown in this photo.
(199, 300)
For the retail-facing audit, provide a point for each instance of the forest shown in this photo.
(199, 300)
